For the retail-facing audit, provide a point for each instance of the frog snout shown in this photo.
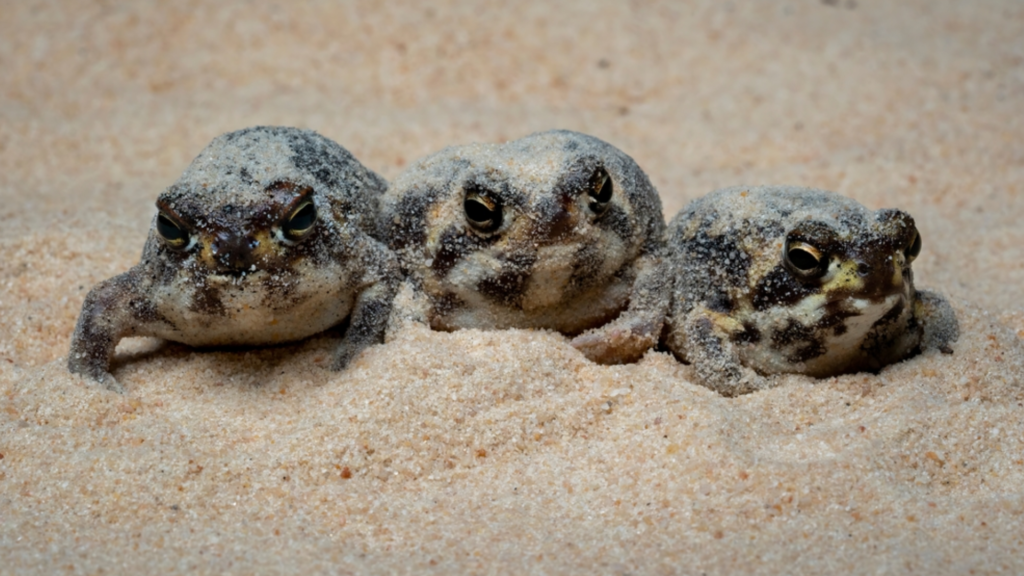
(233, 252)
(556, 220)
(882, 274)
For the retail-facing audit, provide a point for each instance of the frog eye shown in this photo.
(482, 212)
(600, 191)
(914, 248)
(804, 260)
(301, 221)
(172, 233)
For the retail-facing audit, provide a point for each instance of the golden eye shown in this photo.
(482, 212)
(301, 221)
(914, 248)
(804, 260)
(172, 233)
(600, 190)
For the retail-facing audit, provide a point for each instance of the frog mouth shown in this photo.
(862, 305)
(859, 314)
(232, 275)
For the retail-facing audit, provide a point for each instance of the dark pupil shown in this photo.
(168, 229)
(802, 259)
(915, 247)
(478, 212)
(304, 218)
(604, 194)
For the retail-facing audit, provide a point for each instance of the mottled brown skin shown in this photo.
(774, 279)
(247, 270)
(557, 230)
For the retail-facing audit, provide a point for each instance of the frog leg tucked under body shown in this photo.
(638, 327)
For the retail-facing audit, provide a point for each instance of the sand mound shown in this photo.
(508, 451)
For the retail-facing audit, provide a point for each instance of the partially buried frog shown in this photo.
(557, 230)
(264, 239)
(776, 279)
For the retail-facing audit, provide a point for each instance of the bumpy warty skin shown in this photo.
(843, 301)
(241, 267)
(558, 230)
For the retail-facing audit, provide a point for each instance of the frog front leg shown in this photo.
(113, 309)
(411, 307)
(369, 317)
(710, 342)
(638, 327)
(940, 328)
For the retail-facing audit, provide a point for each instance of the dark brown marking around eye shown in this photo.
(616, 220)
(779, 287)
(287, 196)
(722, 255)
(455, 243)
(819, 235)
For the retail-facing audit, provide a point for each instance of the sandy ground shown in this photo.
(507, 452)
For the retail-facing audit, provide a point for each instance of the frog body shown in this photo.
(558, 230)
(776, 279)
(266, 238)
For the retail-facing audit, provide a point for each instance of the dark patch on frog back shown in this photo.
(327, 161)
(711, 266)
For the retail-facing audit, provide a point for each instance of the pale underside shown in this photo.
(842, 350)
(252, 314)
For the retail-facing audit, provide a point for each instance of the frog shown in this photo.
(266, 238)
(558, 231)
(771, 280)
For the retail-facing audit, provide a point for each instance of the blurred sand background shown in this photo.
(507, 452)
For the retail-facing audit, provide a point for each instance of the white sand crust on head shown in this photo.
(507, 451)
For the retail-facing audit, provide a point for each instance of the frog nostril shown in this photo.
(557, 222)
(233, 252)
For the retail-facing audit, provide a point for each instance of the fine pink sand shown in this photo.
(508, 452)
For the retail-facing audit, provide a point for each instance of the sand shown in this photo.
(508, 452)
